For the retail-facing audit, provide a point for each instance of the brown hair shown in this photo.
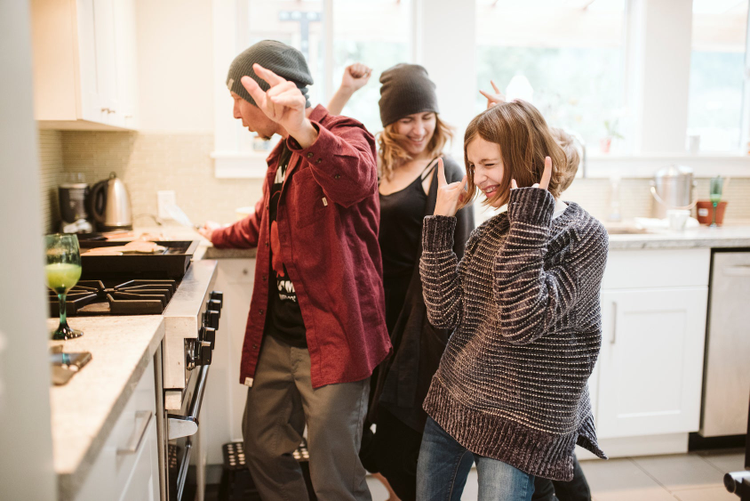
(524, 139)
(569, 144)
(391, 154)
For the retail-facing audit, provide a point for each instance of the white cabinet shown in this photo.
(649, 373)
(127, 468)
(84, 61)
(225, 396)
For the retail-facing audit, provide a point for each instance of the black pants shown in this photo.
(575, 490)
(393, 452)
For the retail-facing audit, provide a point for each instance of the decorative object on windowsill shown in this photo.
(705, 212)
(612, 133)
(714, 194)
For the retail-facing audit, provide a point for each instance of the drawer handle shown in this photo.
(614, 323)
(137, 437)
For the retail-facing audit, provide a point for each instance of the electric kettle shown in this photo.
(110, 204)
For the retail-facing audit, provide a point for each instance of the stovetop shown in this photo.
(117, 296)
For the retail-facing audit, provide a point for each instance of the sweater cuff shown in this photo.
(437, 232)
(533, 206)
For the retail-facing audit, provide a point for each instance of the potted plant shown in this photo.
(612, 133)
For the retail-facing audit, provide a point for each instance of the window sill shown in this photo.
(240, 165)
(645, 166)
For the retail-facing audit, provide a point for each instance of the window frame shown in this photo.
(428, 47)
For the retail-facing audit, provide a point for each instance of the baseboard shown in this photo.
(652, 445)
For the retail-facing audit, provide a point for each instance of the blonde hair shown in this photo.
(391, 154)
(524, 139)
(569, 144)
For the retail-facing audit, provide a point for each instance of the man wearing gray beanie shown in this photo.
(316, 325)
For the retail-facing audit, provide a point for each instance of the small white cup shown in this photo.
(677, 219)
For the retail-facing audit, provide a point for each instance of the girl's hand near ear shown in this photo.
(546, 176)
(448, 195)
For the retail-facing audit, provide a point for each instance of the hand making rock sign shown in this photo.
(283, 103)
(448, 195)
(546, 176)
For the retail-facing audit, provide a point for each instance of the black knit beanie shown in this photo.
(285, 61)
(405, 89)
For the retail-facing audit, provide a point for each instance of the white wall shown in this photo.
(175, 65)
(26, 470)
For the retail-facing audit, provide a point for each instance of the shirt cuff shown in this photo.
(437, 232)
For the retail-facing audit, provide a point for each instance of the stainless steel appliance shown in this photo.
(110, 204)
(191, 311)
(73, 198)
(726, 380)
(672, 188)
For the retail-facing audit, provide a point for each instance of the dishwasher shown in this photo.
(726, 375)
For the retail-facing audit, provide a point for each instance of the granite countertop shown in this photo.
(86, 408)
(700, 237)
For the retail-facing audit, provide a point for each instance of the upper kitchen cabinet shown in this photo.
(84, 64)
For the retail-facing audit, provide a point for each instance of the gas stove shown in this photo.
(140, 296)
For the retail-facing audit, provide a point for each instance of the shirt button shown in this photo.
(266, 245)
(318, 160)
(336, 176)
(265, 277)
(255, 346)
(309, 154)
(261, 311)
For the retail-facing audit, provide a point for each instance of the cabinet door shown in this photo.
(225, 396)
(125, 114)
(651, 361)
(106, 59)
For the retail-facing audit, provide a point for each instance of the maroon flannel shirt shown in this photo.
(328, 218)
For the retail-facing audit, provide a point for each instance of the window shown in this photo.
(565, 57)
(376, 33)
(717, 74)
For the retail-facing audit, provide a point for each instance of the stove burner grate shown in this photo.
(134, 297)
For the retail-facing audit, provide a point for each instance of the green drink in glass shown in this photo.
(63, 269)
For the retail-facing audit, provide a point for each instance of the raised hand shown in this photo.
(493, 99)
(546, 176)
(356, 76)
(283, 103)
(448, 195)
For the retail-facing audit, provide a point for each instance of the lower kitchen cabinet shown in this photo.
(127, 468)
(225, 397)
(648, 378)
(651, 360)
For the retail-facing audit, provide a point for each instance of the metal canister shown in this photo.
(672, 188)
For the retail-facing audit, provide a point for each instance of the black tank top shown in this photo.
(401, 216)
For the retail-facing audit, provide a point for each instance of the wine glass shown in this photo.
(714, 195)
(63, 269)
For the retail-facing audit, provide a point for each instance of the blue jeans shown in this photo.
(444, 465)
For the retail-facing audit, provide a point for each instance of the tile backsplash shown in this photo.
(149, 162)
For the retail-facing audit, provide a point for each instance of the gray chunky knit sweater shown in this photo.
(524, 300)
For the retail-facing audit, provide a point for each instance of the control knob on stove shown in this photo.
(205, 352)
(217, 296)
(211, 319)
(207, 334)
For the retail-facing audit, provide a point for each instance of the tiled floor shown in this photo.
(684, 477)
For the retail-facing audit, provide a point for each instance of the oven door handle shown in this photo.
(185, 426)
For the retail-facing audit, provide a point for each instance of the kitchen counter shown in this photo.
(701, 237)
(87, 407)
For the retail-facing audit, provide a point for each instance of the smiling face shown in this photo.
(417, 130)
(253, 118)
(486, 162)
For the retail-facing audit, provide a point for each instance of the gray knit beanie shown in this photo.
(405, 89)
(285, 61)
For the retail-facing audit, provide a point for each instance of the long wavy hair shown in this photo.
(524, 139)
(391, 154)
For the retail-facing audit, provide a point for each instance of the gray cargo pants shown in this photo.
(279, 404)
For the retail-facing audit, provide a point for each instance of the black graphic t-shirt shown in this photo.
(284, 319)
